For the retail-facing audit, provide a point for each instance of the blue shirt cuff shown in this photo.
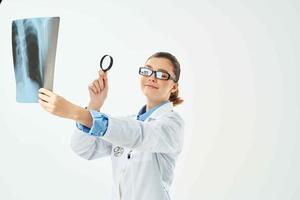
(99, 126)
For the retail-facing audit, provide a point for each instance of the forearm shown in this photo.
(82, 116)
(160, 135)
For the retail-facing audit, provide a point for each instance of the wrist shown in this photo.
(92, 106)
(82, 116)
(77, 113)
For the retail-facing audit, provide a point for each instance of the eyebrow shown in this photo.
(162, 70)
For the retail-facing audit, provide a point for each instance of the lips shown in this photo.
(152, 86)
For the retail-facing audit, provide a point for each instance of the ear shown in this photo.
(174, 88)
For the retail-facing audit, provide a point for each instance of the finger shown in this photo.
(93, 88)
(90, 90)
(96, 84)
(100, 72)
(102, 75)
(100, 82)
(44, 104)
(44, 97)
(45, 91)
(105, 81)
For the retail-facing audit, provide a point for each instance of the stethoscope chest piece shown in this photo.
(118, 151)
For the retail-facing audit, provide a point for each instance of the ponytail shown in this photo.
(175, 99)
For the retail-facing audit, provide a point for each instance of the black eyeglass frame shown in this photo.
(155, 72)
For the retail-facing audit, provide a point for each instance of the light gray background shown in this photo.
(240, 81)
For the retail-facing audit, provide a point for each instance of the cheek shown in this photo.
(142, 82)
(165, 87)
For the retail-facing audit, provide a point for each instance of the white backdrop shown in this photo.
(240, 81)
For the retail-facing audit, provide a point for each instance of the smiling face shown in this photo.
(154, 89)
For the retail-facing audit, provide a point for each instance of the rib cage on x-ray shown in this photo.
(34, 47)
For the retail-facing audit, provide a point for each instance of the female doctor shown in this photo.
(143, 147)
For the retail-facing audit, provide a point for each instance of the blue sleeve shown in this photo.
(99, 126)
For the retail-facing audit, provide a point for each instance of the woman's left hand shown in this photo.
(56, 104)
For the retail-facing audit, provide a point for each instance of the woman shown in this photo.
(143, 147)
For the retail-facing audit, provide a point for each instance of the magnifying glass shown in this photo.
(111, 61)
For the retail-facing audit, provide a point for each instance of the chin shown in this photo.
(150, 94)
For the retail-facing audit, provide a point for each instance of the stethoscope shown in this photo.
(111, 61)
(118, 151)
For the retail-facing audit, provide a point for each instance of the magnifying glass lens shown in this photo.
(106, 63)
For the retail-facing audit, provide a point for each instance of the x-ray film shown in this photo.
(34, 42)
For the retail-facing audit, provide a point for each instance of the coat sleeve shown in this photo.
(89, 147)
(164, 134)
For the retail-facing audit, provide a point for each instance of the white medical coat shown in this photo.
(154, 146)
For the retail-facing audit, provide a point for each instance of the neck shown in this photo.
(152, 104)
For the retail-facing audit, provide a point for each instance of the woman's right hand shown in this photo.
(98, 90)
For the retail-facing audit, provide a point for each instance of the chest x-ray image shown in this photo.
(34, 43)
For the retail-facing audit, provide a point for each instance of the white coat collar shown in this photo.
(161, 110)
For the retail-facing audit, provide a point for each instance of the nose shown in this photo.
(152, 77)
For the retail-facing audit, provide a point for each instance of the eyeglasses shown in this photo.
(161, 75)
